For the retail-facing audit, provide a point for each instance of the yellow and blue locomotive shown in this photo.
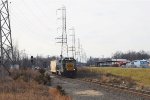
(69, 67)
(65, 67)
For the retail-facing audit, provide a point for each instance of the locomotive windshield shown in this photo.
(66, 60)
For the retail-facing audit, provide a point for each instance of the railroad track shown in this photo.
(142, 93)
(145, 94)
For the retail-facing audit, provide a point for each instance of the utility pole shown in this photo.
(63, 37)
(73, 48)
(6, 47)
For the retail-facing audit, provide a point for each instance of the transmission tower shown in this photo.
(81, 53)
(63, 38)
(78, 51)
(72, 48)
(6, 47)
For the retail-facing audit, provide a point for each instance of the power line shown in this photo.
(33, 16)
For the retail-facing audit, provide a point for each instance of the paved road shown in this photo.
(80, 90)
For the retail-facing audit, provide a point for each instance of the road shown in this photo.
(80, 90)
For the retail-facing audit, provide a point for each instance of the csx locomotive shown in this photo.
(65, 67)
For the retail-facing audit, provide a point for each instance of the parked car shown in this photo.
(138, 64)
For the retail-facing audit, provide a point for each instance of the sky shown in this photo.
(103, 26)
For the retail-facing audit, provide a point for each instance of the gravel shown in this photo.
(80, 90)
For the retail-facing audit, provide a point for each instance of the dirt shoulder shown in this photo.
(80, 90)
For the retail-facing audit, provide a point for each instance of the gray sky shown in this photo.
(104, 26)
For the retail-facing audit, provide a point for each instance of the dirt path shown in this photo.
(80, 90)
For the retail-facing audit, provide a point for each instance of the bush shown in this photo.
(42, 71)
(43, 78)
(29, 75)
(20, 74)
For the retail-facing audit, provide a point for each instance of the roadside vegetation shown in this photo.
(28, 84)
(131, 77)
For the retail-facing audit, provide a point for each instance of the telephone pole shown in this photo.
(6, 47)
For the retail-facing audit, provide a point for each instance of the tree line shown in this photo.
(131, 55)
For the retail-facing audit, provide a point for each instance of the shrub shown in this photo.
(42, 71)
(43, 78)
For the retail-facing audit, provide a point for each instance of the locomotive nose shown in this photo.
(70, 67)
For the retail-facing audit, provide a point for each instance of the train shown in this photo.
(64, 67)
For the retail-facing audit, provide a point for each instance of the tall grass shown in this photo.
(58, 94)
(27, 85)
(21, 90)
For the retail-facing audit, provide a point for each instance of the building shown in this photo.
(112, 63)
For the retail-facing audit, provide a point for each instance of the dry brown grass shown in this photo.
(57, 95)
(22, 85)
(20, 90)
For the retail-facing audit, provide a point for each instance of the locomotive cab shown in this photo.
(69, 68)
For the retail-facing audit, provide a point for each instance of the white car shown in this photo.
(138, 64)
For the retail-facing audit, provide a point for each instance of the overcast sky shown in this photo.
(104, 26)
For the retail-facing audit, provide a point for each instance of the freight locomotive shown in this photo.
(65, 67)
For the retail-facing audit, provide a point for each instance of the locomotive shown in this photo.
(65, 67)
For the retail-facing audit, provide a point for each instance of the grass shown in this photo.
(140, 75)
(28, 85)
(21, 90)
(59, 94)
